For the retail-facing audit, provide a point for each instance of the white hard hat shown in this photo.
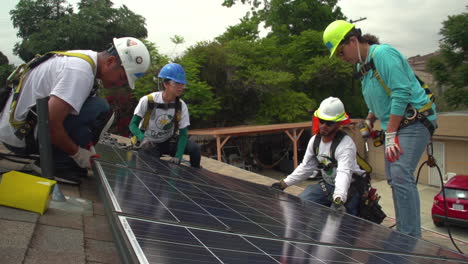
(134, 56)
(331, 109)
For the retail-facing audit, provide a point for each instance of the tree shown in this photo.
(450, 68)
(5, 68)
(177, 40)
(247, 29)
(290, 18)
(287, 106)
(46, 25)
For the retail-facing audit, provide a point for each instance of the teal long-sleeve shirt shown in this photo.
(181, 143)
(397, 74)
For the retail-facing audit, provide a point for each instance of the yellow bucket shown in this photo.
(25, 191)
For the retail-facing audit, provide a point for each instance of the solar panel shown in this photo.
(165, 209)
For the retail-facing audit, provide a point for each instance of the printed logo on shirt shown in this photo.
(164, 122)
(325, 164)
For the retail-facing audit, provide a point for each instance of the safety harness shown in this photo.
(412, 114)
(15, 81)
(336, 141)
(357, 183)
(165, 106)
(369, 207)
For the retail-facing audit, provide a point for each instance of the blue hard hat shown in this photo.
(173, 71)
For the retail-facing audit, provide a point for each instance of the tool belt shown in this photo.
(412, 115)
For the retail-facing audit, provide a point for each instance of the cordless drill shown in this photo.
(377, 136)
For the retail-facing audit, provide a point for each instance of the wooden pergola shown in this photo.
(223, 134)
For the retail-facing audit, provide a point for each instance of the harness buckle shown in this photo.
(411, 113)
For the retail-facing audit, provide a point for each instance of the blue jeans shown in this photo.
(413, 140)
(82, 129)
(314, 193)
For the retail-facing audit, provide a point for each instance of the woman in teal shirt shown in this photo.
(395, 97)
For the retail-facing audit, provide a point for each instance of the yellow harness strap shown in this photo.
(21, 72)
(148, 111)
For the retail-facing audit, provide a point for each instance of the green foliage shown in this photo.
(449, 68)
(326, 77)
(291, 18)
(455, 33)
(198, 95)
(46, 25)
(247, 30)
(287, 106)
(5, 68)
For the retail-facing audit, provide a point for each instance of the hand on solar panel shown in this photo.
(279, 186)
(83, 157)
(338, 206)
(175, 160)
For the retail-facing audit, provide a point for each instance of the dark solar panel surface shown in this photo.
(168, 243)
(213, 218)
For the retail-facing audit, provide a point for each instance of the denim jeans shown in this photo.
(82, 128)
(314, 193)
(413, 140)
(167, 148)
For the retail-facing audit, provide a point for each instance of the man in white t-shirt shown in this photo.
(76, 116)
(166, 131)
(336, 168)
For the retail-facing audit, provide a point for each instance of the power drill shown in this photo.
(376, 135)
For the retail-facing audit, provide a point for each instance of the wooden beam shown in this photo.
(219, 146)
(294, 138)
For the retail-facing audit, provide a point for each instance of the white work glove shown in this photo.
(392, 146)
(83, 157)
(175, 160)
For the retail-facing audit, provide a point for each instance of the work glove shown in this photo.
(338, 206)
(83, 157)
(147, 144)
(175, 160)
(279, 186)
(392, 146)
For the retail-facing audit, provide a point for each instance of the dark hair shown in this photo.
(367, 38)
(112, 51)
(371, 39)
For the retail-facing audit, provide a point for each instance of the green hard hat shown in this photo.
(335, 33)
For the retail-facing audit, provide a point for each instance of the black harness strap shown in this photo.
(364, 69)
(336, 141)
(164, 106)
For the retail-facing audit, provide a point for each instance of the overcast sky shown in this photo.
(411, 26)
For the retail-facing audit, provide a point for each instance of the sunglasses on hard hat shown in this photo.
(327, 122)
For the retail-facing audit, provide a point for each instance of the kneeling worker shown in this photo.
(77, 117)
(161, 119)
(333, 153)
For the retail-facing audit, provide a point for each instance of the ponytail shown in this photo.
(367, 38)
(370, 39)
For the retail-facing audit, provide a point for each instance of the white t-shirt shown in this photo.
(69, 78)
(160, 126)
(345, 155)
